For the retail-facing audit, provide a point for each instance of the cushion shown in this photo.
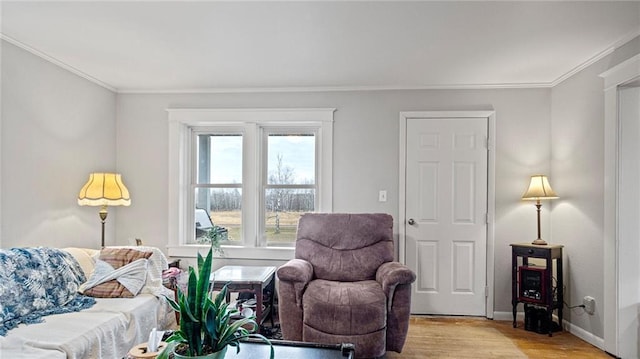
(86, 258)
(35, 282)
(345, 246)
(116, 258)
(157, 263)
(360, 307)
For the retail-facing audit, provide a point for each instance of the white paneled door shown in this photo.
(446, 212)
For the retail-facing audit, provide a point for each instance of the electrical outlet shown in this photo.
(589, 304)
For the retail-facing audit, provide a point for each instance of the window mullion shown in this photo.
(291, 186)
(218, 185)
(262, 181)
(250, 204)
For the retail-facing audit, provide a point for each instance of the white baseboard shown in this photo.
(584, 335)
(508, 316)
(575, 330)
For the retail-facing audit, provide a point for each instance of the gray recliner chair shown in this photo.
(343, 285)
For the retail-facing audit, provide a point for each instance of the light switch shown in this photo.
(382, 196)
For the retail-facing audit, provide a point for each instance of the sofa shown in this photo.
(50, 312)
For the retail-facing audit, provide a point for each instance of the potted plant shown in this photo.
(207, 328)
(215, 236)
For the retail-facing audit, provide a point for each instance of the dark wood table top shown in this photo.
(283, 349)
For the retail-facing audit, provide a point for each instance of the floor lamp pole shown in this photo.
(103, 218)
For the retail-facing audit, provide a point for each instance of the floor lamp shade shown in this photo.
(104, 189)
(539, 189)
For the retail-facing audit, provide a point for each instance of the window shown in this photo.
(217, 183)
(289, 183)
(249, 174)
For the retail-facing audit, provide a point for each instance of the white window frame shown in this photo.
(218, 130)
(182, 123)
(265, 131)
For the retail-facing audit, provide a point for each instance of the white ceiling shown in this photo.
(231, 46)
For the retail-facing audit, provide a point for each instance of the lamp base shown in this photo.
(539, 242)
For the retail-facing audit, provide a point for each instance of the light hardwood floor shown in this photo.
(425, 340)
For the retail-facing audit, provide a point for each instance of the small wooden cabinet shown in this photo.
(548, 293)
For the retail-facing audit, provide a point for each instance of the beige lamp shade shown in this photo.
(104, 189)
(539, 188)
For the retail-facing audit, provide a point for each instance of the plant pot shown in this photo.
(217, 355)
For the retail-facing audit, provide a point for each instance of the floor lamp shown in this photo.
(539, 189)
(104, 189)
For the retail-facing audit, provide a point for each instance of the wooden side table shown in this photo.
(553, 297)
(254, 279)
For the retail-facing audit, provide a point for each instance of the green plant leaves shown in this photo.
(205, 322)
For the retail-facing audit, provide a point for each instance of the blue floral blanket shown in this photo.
(35, 282)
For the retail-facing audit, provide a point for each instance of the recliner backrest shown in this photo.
(344, 246)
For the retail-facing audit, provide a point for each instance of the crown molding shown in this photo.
(337, 88)
(56, 62)
(597, 57)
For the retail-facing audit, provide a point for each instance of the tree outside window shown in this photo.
(291, 184)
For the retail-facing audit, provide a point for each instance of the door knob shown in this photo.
(411, 222)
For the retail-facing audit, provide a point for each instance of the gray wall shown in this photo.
(577, 112)
(56, 128)
(366, 150)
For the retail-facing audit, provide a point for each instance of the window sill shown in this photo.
(234, 252)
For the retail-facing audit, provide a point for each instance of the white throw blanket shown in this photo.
(157, 263)
(132, 276)
(108, 330)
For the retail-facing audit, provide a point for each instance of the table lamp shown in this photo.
(538, 190)
(104, 189)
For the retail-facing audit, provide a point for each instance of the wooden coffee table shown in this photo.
(252, 279)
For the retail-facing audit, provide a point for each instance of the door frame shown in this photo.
(613, 253)
(490, 116)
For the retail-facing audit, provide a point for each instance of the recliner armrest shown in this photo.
(391, 274)
(296, 270)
